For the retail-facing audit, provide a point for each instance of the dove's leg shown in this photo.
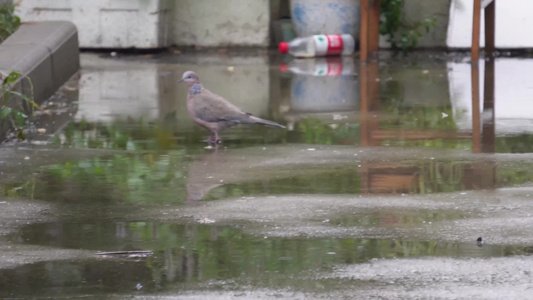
(218, 140)
(211, 139)
(214, 138)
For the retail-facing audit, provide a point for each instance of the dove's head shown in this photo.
(190, 78)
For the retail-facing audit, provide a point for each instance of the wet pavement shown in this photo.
(387, 175)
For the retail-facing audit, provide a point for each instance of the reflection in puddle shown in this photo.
(400, 219)
(76, 279)
(512, 93)
(396, 127)
(428, 104)
(117, 90)
(188, 255)
(377, 105)
(181, 176)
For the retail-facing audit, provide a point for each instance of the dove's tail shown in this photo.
(256, 120)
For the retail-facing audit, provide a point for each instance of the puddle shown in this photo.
(406, 159)
(410, 102)
(188, 256)
(181, 176)
(398, 219)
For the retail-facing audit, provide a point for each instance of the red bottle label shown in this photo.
(334, 67)
(334, 44)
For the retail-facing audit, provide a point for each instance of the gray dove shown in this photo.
(213, 112)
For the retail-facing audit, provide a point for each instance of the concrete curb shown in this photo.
(46, 52)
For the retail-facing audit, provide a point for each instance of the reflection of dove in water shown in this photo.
(205, 174)
(213, 112)
(214, 169)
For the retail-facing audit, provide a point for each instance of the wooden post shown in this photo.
(363, 32)
(490, 22)
(373, 27)
(369, 29)
(475, 31)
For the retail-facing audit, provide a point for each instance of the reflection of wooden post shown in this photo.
(474, 56)
(489, 127)
(369, 29)
(476, 123)
(364, 173)
(483, 175)
(479, 175)
(374, 101)
(370, 102)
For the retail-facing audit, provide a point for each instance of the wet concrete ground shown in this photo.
(379, 189)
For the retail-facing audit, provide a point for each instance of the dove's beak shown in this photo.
(181, 80)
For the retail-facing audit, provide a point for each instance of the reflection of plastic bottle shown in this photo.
(312, 91)
(319, 45)
(322, 66)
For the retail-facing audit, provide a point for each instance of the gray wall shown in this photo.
(222, 23)
(416, 10)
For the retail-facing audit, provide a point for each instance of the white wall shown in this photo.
(513, 21)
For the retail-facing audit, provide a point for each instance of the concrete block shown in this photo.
(47, 53)
(60, 38)
(35, 63)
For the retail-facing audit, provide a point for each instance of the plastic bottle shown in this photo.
(319, 45)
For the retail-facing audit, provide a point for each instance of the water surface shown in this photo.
(425, 166)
